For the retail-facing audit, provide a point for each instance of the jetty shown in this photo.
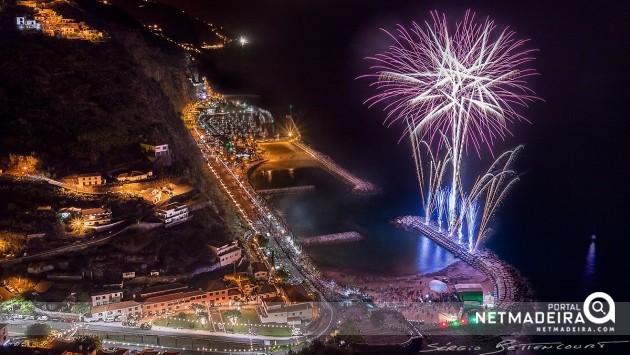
(482, 260)
(287, 190)
(358, 185)
(335, 238)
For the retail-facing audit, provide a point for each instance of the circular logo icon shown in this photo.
(595, 311)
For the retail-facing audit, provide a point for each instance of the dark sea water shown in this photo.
(307, 55)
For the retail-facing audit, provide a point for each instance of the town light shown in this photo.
(243, 41)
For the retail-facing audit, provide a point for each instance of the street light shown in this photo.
(243, 41)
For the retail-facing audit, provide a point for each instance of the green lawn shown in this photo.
(190, 321)
(251, 316)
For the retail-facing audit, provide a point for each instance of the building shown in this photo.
(259, 271)
(128, 275)
(134, 176)
(155, 150)
(469, 293)
(39, 267)
(297, 309)
(106, 297)
(265, 291)
(162, 290)
(89, 179)
(221, 292)
(24, 23)
(226, 253)
(275, 310)
(95, 217)
(172, 213)
(120, 309)
(175, 302)
(4, 333)
(296, 294)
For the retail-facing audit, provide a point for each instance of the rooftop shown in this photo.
(468, 287)
(174, 296)
(114, 306)
(296, 293)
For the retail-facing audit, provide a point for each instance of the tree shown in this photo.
(89, 342)
(38, 331)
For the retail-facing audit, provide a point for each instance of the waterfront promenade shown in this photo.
(484, 261)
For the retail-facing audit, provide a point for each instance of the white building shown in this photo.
(226, 253)
(259, 271)
(128, 275)
(120, 309)
(24, 23)
(106, 297)
(155, 150)
(173, 212)
(274, 310)
(95, 217)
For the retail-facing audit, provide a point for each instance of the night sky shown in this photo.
(575, 166)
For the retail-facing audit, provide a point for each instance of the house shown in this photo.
(128, 275)
(226, 253)
(296, 294)
(119, 309)
(172, 213)
(259, 270)
(106, 297)
(265, 291)
(134, 176)
(243, 281)
(162, 290)
(222, 292)
(297, 309)
(95, 216)
(4, 333)
(39, 267)
(154, 149)
(275, 310)
(88, 179)
(174, 302)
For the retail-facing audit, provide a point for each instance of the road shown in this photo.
(77, 246)
(115, 334)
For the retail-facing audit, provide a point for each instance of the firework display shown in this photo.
(453, 88)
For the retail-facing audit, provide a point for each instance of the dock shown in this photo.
(483, 260)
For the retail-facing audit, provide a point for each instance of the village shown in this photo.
(52, 24)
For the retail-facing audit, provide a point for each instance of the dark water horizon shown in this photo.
(303, 58)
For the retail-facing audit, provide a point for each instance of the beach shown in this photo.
(404, 291)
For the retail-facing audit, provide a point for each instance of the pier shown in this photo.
(287, 190)
(484, 261)
(335, 238)
(359, 186)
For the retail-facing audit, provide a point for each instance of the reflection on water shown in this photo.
(332, 208)
(589, 271)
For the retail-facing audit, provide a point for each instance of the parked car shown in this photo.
(30, 317)
(42, 318)
(110, 319)
(90, 319)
